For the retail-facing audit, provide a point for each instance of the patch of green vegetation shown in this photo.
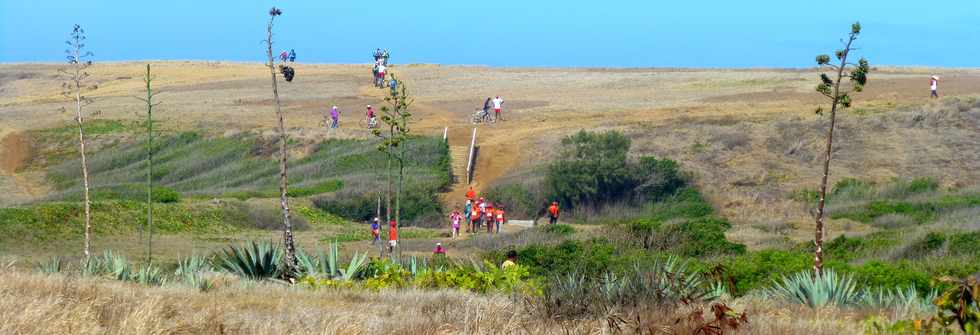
(57, 221)
(318, 217)
(559, 229)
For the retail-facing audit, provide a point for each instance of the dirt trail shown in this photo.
(15, 152)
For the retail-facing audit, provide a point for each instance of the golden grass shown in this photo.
(32, 303)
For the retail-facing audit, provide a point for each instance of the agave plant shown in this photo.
(51, 266)
(116, 266)
(816, 291)
(905, 300)
(191, 265)
(92, 267)
(255, 261)
(354, 267)
(149, 275)
(199, 281)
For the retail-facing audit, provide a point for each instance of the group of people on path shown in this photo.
(380, 67)
(476, 214)
(392, 233)
(484, 115)
(288, 72)
(332, 119)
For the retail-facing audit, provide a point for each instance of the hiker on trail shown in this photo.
(553, 213)
(455, 217)
(475, 218)
(439, 250)
(511, 260)
(377, 55)
(381, 75)
(372, 121)
(486, 109)
(471, 194)
(497, 103)
(334, 117)
(488, 217)
(392, 236)
(292, 55)
(384, 57)
(376, 231)
(934, 87)
(466, 215)
(499, 215)
(394, 86)
(284, 55)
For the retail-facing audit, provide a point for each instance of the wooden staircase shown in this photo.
(458, 154)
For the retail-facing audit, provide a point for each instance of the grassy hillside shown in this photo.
(244, 166)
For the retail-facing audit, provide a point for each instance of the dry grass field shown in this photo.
(57, 304)
(749, 137)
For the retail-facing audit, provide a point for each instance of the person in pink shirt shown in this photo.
(455, 217)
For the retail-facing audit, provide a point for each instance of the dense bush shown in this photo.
(593, 169)
(420, 205)
(518, 199)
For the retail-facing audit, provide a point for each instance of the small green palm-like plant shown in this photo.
(191, 265)
(116, 266)
(149, 275)
(51, 266)
(255, 261)
(816, 291)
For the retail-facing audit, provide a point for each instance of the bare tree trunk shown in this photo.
(819, 230)
(149, 167)
(287, 227)
(85, 183)
(398, 196)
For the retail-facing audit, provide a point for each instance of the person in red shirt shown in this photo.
(471, 194)
(499, 216)
(553, 213)
(392, 236)
(439, 250)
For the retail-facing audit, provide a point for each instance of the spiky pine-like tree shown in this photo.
(396, 117)
(148, 80)
(291, 268)
(839, 93)
(73, 87)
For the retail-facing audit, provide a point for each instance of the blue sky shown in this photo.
(652, 33)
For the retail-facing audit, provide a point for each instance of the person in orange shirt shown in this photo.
(392, 236)
(471, 195)
(475, 217)
(488, 217)
(553, 213)
(500, 217)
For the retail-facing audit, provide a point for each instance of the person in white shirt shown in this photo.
(934, 86)
(497, 103)
(381, 75)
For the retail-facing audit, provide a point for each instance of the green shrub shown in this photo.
(701, 237)
(891, 274)
(687, 203)
(559, 229)
(164, 195)
(518, 199)
(757, 269)
(591, 258)
(318, 188)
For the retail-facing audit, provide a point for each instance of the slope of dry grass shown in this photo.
(44, 304)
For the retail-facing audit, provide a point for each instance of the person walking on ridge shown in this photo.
(934, 87)
(334, 117)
